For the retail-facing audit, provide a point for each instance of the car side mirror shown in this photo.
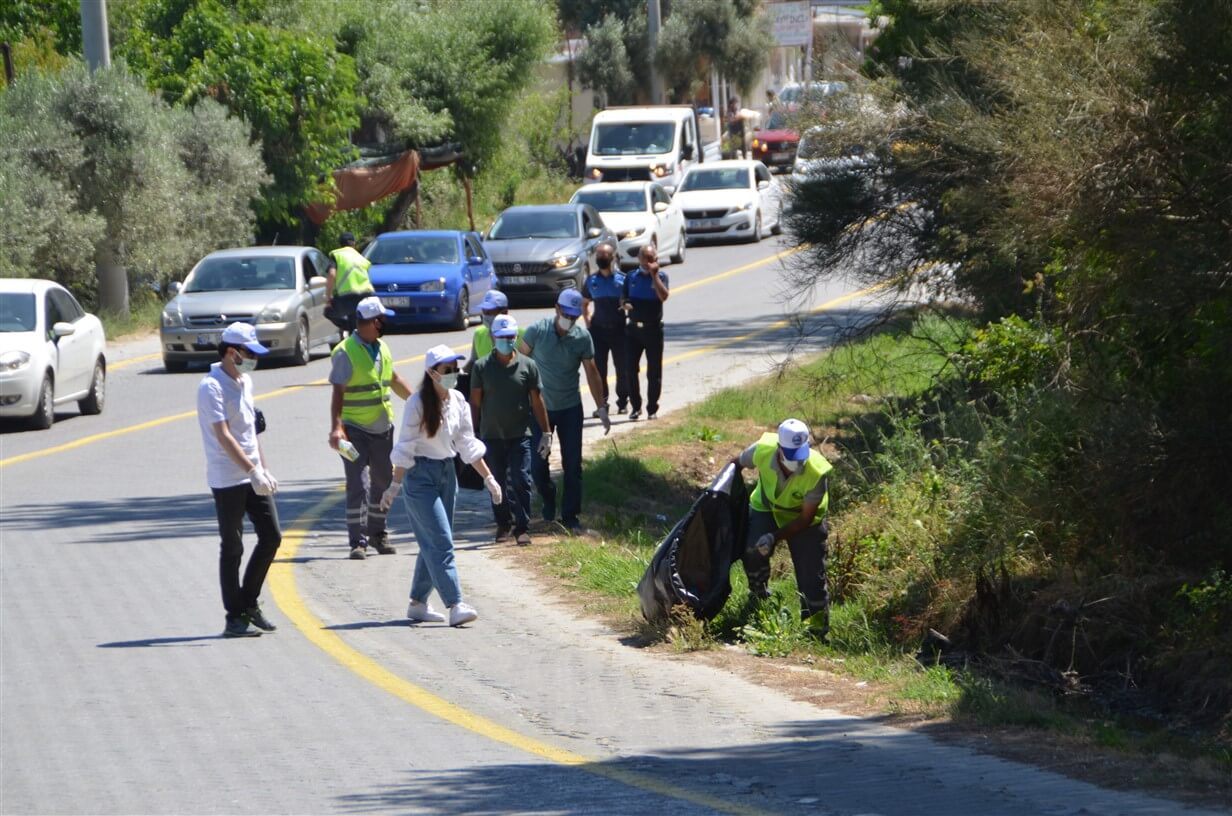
(593, 232)
(63, 329)
(686, 152)
(175, 287)
(762, 185)
(315, 281)
(671, 191)
(474, 260)
(660, 206)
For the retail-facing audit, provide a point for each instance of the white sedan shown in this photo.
(51, 352)
(640, 213)
(730, 199)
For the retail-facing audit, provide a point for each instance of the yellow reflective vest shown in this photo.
(352, 275)
(785, 500)
(366, 395)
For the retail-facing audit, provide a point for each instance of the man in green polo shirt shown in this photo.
(560, 347)
(504, 395)
(361, 413)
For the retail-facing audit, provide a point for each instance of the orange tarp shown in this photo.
(356, 187)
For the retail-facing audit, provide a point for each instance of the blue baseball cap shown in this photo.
(493, 300)
(504, 326)
(794, 440)
(570, 302)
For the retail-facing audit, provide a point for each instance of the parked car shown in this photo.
(52, 352)
(278, 289)
(541, 250)
(640, 213)
(427, 277)
(794, 95)
(824, 153)
(737, 198)
(775, 145)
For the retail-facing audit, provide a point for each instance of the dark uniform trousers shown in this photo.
(645, 338)
(341, 311)
(611, 340)
(808, 558)
(231, 504)
(365, 520)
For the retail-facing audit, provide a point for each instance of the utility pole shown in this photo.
(94, 39)
(654, 21)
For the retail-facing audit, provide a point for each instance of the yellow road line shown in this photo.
(116, 366)
(755, 264)
(282, 584)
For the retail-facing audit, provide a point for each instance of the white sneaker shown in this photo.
(423, 613)
(461, 613)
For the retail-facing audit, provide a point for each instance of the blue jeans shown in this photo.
(428, 493)
(567, 423)
(509, 461)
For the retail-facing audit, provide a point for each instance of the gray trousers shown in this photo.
(808, 557)
(367, 478)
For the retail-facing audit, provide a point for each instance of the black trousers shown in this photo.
(611, 340)
(808, 558)
(645, 338)
(342, 311)
(231, 504)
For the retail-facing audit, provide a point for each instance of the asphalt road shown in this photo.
(117, 694)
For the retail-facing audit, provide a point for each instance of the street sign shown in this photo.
(791, 23)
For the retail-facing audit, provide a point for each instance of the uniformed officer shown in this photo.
(346, 283)
(604, 319)
(645, 289)
(789, 504)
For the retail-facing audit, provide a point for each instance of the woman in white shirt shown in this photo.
(436, 425)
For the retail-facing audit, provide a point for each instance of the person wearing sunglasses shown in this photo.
(436, 426)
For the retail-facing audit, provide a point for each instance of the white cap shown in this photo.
(504, 326)
(440, 354)
(493, 300)
(371, 307)
(794, 440)
(243, 334)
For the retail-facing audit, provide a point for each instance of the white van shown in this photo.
(656, 143)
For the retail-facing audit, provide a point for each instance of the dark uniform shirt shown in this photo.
(640, 292)
(605, 291)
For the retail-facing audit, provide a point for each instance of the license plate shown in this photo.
(396, 302)
(210, 339)
(703, 223)
(516, 280)
(778, 157)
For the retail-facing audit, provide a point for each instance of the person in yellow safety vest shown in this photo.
(346, 283)
(360, 413)
(789, 504)
(494, 303)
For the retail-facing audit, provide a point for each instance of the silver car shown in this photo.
(278, 289)
(540, 250)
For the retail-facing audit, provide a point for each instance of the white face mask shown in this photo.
(447, 381)
(246, 365)
(565, 323)
(790, 465)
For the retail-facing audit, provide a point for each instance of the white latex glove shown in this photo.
(260, 480)
(273, 481)
(494, 488)
(605, 419)
(765, 544)
(391, 493)
(545, 446)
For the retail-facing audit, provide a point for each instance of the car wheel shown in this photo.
(175, 366)
(302, 353)
(45, 411)
(678, 255)
(93, 403)
(756, 236)
(463, 318)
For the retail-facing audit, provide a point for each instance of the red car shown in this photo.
(775, 145)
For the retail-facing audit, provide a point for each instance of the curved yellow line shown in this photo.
(282, 584)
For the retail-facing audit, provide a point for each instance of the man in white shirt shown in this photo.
(237, 474)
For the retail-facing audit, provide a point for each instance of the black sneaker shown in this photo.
(502, 533)
(381, 544)
(358, 553)
(652, 415)
(237, 627)
(635, 414)
(257, 619)
(620, 409)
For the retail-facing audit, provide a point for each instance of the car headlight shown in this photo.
(747, 206)
(632, 233)
(437, 285)
(594, 174)
(561, 261)
(172, 319)
(661, 170)
(14, 360)
(271, 315)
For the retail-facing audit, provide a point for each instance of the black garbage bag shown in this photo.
(692, 566)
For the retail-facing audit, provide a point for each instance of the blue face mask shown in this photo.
(504, 345)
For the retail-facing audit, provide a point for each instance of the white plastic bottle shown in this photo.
(347, 451)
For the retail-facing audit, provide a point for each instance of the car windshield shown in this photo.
(728, 178)
(224, 274)
(632, 139)
(414, 249)
(535, 224)
(17, 312)
(813, 92)
(613, 200)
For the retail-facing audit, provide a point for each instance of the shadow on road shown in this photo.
(196, 640)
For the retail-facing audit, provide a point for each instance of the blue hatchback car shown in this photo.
(430, 277)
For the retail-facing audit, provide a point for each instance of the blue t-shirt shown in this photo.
(640, 292)
(605, 291)
(559, 358)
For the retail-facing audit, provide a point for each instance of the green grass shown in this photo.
(144, 311)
